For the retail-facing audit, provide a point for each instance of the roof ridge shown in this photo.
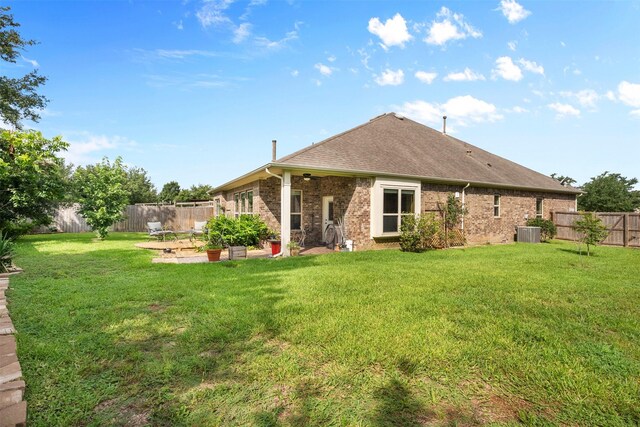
(324, 141)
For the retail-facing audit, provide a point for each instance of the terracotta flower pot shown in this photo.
(214, 254)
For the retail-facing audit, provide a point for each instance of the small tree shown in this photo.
(591, 229)
(102, 195)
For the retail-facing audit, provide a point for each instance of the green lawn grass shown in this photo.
(532, 334)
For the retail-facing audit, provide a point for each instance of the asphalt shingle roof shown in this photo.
(399, 146)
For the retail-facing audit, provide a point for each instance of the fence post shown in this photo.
(625, 229)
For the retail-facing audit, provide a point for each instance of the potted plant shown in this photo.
(213, 246)
(294, 248)
(276, 243)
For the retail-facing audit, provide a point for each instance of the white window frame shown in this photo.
(541, 214)
(497, 205)
(292, 213)
(377, 202)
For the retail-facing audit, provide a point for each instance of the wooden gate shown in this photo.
(623, 227)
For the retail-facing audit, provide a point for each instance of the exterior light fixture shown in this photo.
(306, 176)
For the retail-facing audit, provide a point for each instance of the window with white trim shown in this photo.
(539, 206)
(243, 203)
(396, 204)
(392, 200)
(236, 205)
(296, 209)
(496, 206)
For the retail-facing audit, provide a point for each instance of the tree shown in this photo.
(32, 179)
(592, 230)
(609, 192)
(564, 180)
(139, 187)
(196, 192)
(101, 192)
(18, 97)
(170, 192)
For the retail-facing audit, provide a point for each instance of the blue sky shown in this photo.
(194, 91)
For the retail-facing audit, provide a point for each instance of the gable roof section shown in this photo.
(391, 144)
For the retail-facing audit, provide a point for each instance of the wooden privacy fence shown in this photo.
(623, 227)
(69, 220)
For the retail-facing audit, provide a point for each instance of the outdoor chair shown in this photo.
(199, 229)
(158, 231)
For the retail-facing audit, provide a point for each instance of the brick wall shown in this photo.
(515, 207)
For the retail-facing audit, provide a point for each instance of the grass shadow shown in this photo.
(397, 406)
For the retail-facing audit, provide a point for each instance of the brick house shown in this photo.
(379, 171)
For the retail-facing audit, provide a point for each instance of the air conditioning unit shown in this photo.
(528, 234)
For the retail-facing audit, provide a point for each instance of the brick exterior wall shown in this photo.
(352, 198)
(515, 207)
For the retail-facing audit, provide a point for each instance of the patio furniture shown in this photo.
(159, 232)
(199, 229)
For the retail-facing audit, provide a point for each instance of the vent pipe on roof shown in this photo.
(273, 150)
(444, 125)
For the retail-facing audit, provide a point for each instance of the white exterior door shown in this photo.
(327, 214)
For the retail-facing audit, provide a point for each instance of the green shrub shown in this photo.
(246, 230)
(6, 251)
(420, 233)
(548, 229)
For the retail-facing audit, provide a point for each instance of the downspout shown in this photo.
(463, 206)
(281, 185)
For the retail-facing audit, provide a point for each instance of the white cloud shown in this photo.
(610, 95)
(325, 70)
(531, 66)
(519, 110)
(390, 78)
(392, 33)
(461, 111)
(86, 148)
(512, 45)
(629, 93)
(587, 98)
(506, 69)
(241, 32)
(179, 25)
(212, 13)
(564, 110)
(513, 11)
(295, 73)
(451, 26)
(635, 113)
(465, 76)
(365, 58)
(278, 44)
(332, 58)
(426, 77)
(33, 62)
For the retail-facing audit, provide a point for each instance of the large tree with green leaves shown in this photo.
(101, 192)
(139, 187)
(170, 192)
(610, 192)
(32, 179)
(195, 193)
(18, 97)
